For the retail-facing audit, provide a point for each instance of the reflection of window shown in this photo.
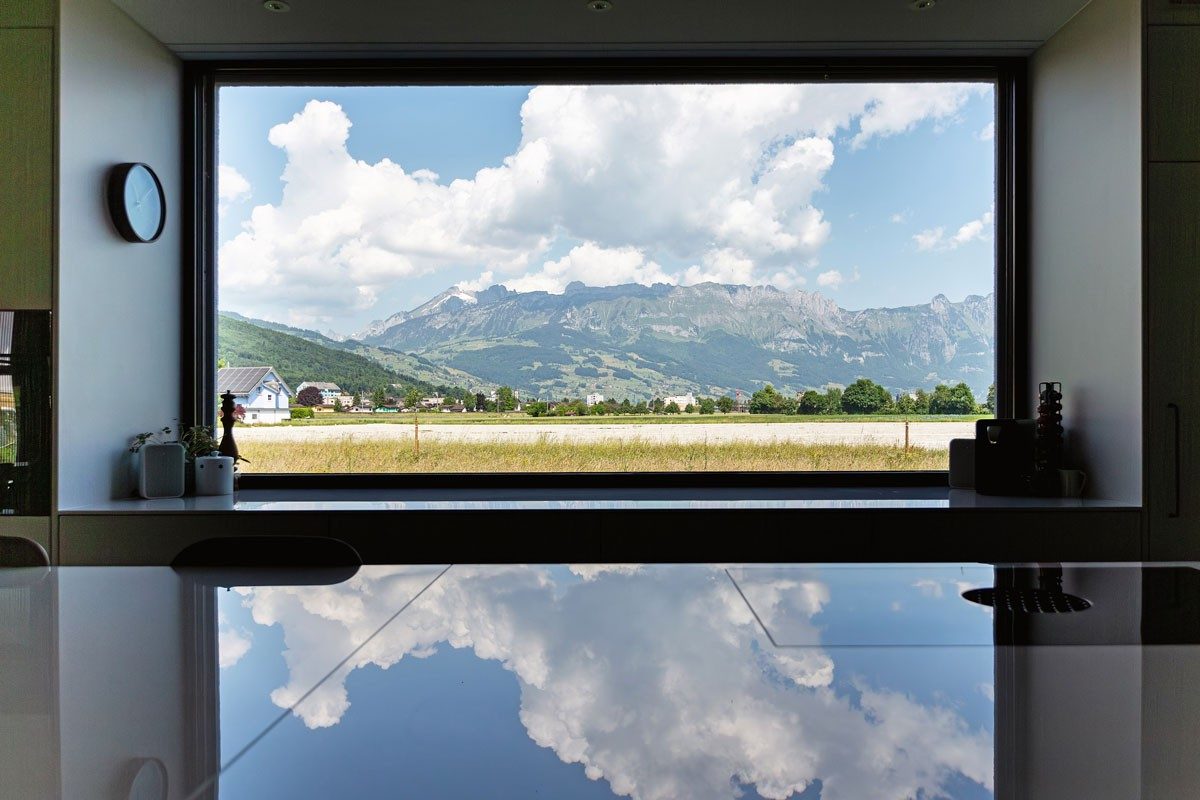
(787, 253)
(24, 412)
(778, 718)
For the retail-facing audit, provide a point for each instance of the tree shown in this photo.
(657, 405)
(708, 405)
(905, 404)
(222, 363)
(991, 399)
(337, 405)
(598, 409)
(379, 397)
(480, 402)
(952, 400)
(833, 401)
(864, 396)
(309, 396)
(689, 409)
(536, 409)
(641, 407)
(505, 399)
(671, 408)
(811, 402)
(412, 398)
(358, 400)
(725, 404)
(626, 407)
(570, 408)
(767, 400)
(921, 401)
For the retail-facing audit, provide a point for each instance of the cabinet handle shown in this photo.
(1178, 486)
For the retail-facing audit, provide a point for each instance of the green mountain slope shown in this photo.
(242, 344)
(417, 369)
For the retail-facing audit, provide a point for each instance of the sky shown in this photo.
(590, 681)
(343, 205)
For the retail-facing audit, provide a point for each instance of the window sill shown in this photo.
(586, 500)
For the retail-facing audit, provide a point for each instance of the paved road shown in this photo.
(934, 435)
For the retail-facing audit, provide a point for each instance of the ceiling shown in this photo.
(243, 28)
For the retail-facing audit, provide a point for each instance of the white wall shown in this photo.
(1086, 234)
(118, 303)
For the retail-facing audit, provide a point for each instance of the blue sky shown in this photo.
(591, 681)
(875, 196)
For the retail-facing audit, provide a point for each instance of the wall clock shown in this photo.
(136, 202)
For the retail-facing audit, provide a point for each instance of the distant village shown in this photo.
(262, 397)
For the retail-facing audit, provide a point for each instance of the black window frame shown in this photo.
(199, 317)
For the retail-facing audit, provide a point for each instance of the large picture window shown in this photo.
(618, 276)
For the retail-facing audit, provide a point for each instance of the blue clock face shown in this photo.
(143, 203)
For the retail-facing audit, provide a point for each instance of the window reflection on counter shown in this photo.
(651, 682)
(24, 412)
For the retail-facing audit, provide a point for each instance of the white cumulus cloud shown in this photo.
(929, 587)
(595, 266)
(232, 644)
(832, 279)
(720, 181)
(232, 187)
(936, 238)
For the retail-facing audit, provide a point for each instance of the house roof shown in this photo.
(240, 380)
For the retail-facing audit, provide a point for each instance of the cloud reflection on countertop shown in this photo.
(658, 680)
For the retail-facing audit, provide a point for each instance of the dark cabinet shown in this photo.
(1172, 484)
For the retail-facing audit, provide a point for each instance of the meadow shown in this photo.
(520, 418)
(633, 455)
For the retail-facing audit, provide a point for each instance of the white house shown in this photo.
(259, 390)
(681, 400)
(329, 391)
(594, 398)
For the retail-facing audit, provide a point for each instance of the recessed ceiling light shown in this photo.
(278, 6)
(599, 5)
(923, 5)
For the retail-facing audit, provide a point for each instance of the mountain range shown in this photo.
(640, 341)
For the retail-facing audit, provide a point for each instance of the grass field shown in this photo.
(546, 456)
(519, 418)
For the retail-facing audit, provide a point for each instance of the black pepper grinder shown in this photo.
(228, 446)
(1048, 444)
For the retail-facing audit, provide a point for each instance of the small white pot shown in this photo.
(214, 475)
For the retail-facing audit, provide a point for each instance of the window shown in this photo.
(635, 271)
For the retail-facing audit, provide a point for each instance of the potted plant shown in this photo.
(196, 441)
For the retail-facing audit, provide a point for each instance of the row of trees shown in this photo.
(864, 396)
(568, 407)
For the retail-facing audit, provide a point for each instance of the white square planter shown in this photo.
(160, 471)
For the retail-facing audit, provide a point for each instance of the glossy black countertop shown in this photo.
(595, 681)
